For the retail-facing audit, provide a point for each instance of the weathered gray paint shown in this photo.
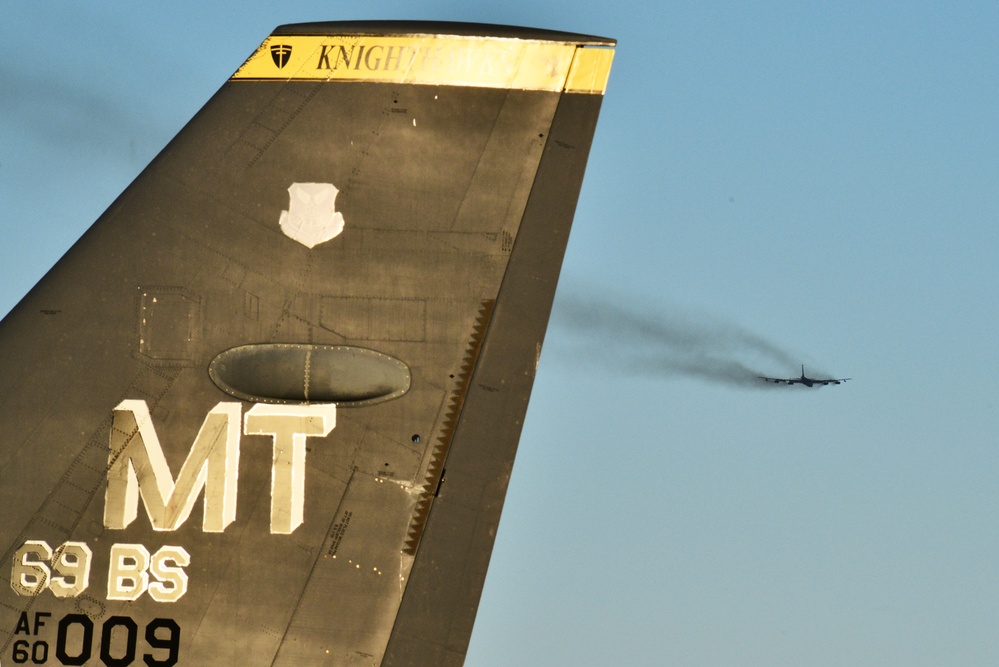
(453, 239)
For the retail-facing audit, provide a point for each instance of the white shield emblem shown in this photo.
(311, 218)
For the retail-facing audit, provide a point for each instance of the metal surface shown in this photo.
(422, 222)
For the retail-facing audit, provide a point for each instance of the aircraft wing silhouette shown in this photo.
(264, 412)
(803, 380)
(806, 381)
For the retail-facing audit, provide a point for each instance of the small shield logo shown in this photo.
(311, 218)
(281, 53)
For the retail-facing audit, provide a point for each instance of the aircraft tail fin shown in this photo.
(303, 340)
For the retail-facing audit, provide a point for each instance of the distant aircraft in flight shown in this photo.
(807, 381)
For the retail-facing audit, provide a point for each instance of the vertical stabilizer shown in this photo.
(265, 411)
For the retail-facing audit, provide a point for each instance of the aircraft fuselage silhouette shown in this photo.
(804, 380)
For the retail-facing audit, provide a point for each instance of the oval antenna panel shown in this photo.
(304, 373)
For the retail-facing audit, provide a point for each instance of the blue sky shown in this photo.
(822, 178)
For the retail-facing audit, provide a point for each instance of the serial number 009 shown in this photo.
(118, 645)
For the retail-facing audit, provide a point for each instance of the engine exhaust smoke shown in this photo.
(669, 342)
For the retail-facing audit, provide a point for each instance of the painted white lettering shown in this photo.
(289, 426)
(71, 570)
(171, 580)
(127, 572)
(136, 465)
(31, 573)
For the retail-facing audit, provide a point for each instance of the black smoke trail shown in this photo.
(669, 342)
